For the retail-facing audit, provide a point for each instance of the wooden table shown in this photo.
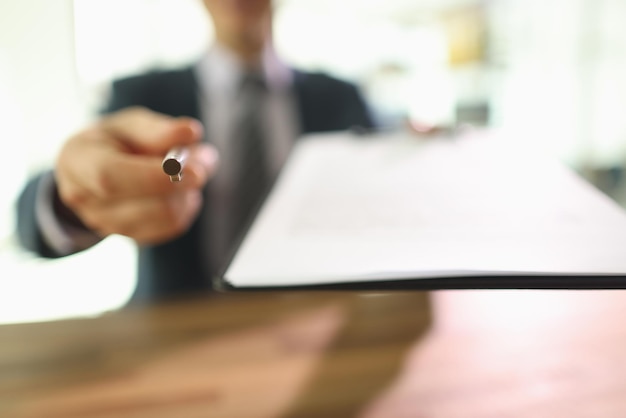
(439, 355)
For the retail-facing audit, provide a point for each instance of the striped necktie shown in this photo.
(252, 175)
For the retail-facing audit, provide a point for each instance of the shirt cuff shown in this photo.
(62, 238)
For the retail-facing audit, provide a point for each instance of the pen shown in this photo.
(174, 162)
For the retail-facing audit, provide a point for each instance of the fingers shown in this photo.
(127, 175)
(149, 220)
(152, 133)
(201, 165)
(114, 176)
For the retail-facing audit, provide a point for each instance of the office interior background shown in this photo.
(549, 73)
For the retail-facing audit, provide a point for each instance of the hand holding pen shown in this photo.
(111, 175)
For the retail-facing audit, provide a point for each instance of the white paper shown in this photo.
(395, 207)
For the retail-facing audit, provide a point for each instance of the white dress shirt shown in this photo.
(218, 75)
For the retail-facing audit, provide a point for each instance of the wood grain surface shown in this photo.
(436, 355)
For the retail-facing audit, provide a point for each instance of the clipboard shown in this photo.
(605, 272)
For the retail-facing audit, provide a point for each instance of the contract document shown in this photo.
(390, 208)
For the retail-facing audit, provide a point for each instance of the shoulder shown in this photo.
(170, 91)
(155, 78)
(322, 80)
(328, 103)
(320, 87)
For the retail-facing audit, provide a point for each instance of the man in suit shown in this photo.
(238, 110)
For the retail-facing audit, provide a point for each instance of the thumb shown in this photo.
(149, 132)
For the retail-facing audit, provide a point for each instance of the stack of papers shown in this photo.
(393, 207)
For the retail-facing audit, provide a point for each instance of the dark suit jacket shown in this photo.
(325, 104)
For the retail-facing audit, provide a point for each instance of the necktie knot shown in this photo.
(252, 82)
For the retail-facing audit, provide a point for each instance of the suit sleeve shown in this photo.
(29, 233)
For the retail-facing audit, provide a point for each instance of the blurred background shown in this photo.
(546, 72)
